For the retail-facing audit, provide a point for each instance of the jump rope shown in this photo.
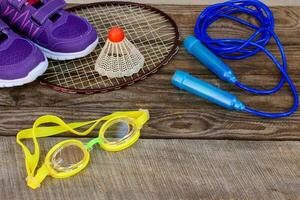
(208, 50)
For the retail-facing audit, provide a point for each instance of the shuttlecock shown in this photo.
(119, 57)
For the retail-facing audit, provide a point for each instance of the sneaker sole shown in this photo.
(32, 76)
(68, 56)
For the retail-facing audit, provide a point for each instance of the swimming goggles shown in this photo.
(117, 132)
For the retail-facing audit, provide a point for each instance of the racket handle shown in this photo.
(191, 84)
(209, 59)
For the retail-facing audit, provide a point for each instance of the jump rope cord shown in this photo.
(238, 49)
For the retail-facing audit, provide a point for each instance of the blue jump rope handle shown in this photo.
(191, 84)
(209, 59)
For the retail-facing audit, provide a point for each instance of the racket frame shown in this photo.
(164, 62)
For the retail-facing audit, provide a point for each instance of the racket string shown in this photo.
(151, 32)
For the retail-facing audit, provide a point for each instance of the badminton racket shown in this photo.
(152, 31)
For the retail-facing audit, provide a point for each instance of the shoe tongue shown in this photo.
(32, 2)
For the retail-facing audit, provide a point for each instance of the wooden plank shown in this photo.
(148, 94)
(168, 103)
(256, 65)
(286, 21)
(166, 169)
(201, 123)
(286, 25)
(194, 2)
(248, 71)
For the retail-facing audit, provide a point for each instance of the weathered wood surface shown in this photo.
(176, 114)
(199, 123)
(193, 2)
(171, 169)
(166, 169)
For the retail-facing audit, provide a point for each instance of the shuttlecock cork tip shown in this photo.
(116, 34)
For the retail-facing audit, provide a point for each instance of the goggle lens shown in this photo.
(118, 131)
(67, 158)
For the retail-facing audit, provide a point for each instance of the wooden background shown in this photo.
(194, 2)
(190, 149)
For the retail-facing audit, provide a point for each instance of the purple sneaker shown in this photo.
(58, 33)
(21, 61)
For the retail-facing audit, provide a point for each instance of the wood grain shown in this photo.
(176, 114)
(201, 123)
(160, 166)
(166, 169)
(286, 19)
(146, 93)
(193, 2)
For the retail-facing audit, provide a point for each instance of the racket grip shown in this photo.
(191, 84)
(209, 59)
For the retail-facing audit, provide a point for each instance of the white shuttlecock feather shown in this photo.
(119, 57)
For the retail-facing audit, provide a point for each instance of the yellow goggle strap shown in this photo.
(31, 160)
(141, 116)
